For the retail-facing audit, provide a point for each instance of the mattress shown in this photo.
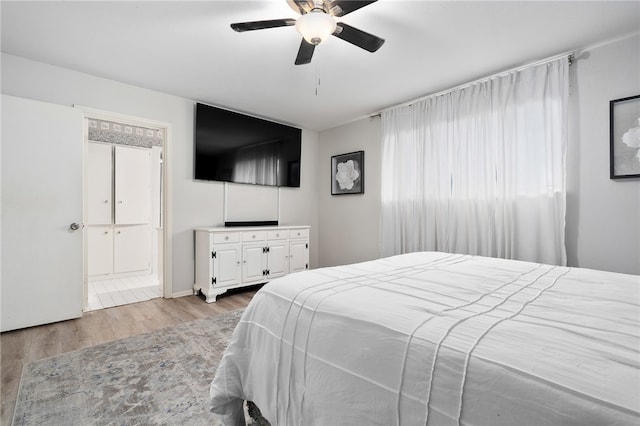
(437, 339)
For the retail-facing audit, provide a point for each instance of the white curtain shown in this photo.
(481, 169)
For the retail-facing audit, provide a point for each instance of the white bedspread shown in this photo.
(437, 339)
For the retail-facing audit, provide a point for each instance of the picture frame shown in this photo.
(624, 138)
(347, 173)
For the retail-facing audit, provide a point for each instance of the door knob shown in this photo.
(74, 226)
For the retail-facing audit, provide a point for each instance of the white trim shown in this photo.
(125, 118)
(85, 240)
(167, 270)
(183, 293)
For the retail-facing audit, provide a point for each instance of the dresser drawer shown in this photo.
(299, 233)
(280, 234)
(226, 237)
(254, 236)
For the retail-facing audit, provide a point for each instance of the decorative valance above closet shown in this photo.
(124, 134)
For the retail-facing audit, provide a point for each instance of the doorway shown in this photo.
(125, 205)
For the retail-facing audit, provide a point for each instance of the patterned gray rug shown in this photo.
(156, 378)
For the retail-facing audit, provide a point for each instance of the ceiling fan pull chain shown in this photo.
(317, 77)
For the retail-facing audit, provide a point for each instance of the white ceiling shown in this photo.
(188, 49)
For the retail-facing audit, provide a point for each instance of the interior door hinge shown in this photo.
(213, 254)
(306, 266)
(213, 280)
(306, 245)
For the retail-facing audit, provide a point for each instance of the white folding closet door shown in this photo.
(100, 183)
(132, 185)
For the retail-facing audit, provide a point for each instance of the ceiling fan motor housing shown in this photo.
(316, 26)
(316, 23)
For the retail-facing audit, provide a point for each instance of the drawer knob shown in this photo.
(226, 238)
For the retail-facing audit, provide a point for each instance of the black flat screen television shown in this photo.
(233, 147)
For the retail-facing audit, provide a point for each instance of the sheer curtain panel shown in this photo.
(481, 169)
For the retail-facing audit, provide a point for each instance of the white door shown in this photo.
(278, 258)
(133, 185)
(226, 264)
(42, 262)
(131, 248)
(254, 262)
(99, 183)
(298, 256)
(100, 256)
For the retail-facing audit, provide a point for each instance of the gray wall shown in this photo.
(194, 203)
(349, 224)
(603, 216)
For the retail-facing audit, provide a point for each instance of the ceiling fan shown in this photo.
(316, 23)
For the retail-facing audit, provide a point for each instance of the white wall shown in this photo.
(194, 203)
(603, 216)
(349, 224)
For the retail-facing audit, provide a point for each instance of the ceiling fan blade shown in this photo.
(305, 53)
(342, 7)
(261, 25)
(358, 37)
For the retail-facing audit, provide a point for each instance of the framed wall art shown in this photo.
(347, 173)
(624, 138)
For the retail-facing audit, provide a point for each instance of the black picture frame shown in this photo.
(347, 173)
(624, 138)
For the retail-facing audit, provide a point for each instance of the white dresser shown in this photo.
(234, 257)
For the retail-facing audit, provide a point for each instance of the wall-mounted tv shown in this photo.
(233, 147)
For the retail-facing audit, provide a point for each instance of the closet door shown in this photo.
(132, 248)
(133, 185)
(100, 183)
(100, 255)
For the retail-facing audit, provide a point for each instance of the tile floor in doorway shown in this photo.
(122, 291)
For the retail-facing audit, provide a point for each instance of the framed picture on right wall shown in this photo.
(624, 137)
(347, 173)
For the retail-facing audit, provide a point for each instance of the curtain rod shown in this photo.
(571, 56)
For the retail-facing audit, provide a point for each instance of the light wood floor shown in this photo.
(20, 347)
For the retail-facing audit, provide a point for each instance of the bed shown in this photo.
(437, 339)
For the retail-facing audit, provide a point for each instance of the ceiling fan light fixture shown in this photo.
(316, 26)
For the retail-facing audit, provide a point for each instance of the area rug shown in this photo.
(159, 378)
